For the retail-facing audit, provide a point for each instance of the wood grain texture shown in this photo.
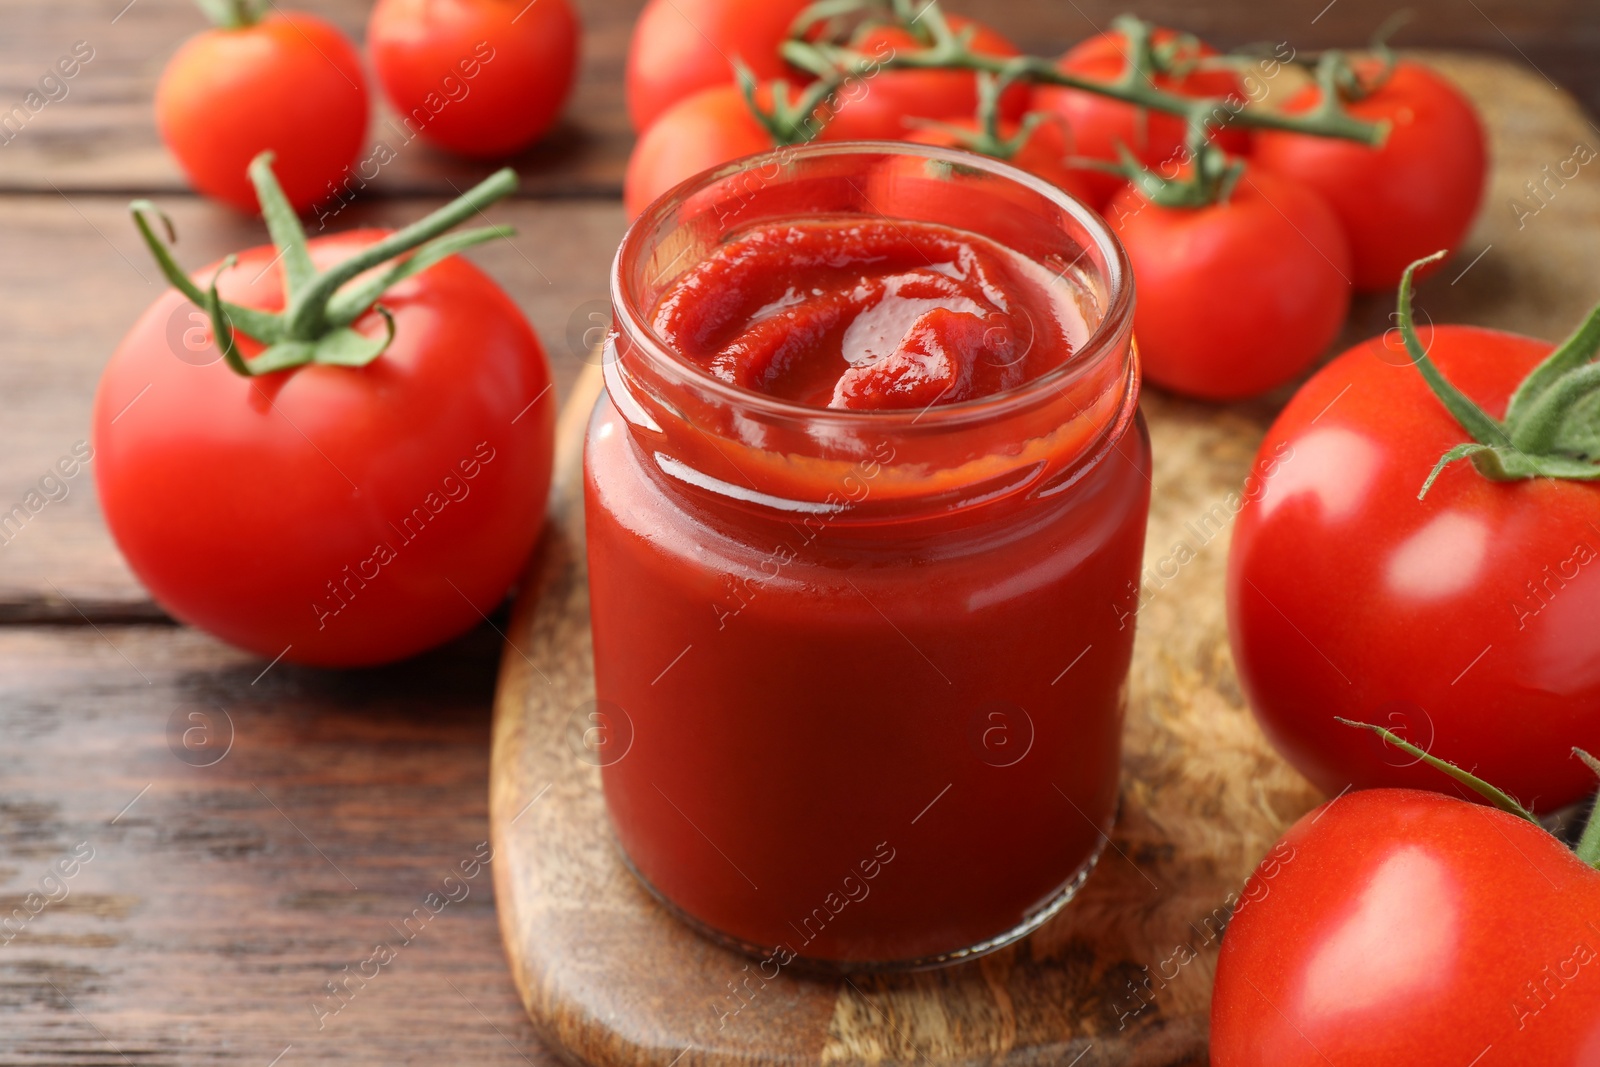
(1124, 974)
(220, 900)
(77, 277)
(101, 136)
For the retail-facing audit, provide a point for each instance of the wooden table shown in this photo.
(220, 905)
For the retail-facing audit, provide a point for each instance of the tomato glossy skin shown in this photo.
(1044, 153)
(680, 47)
(1238, 297)
(877, 108)
(1396, 928)
(291, 83)
(1464, 621)
(1410, 198)
(712, 127)
(483, 78)
(254, 508)
(1099, 123)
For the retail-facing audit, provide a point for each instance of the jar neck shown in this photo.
(734, 449)
(972, 462)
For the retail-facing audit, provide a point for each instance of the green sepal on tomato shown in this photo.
(332, 451)
(482, 78)
(1413, 929)
(1462, 617)
(285, 82)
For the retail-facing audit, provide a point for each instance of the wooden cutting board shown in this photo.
(1123, 975)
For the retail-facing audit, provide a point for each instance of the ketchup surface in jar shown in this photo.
(870, 314)
(865, 507)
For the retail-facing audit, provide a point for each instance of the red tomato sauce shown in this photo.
(872, 704)
(870, 314)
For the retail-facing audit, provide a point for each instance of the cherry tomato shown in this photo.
(876, 108)
(1464, 621)
(290, 83)
(1410, 198)
(334, 515)
(1044, 153)
(1396, 928)
(680, 47)
(1099, 123)
(706, 130)
(1237, 297)
(480, 77)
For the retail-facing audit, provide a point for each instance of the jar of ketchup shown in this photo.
(865, 503)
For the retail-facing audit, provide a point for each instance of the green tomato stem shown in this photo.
(231, 14)
(316, 325)
(1472, 418)
(284, 226)
(307, 315)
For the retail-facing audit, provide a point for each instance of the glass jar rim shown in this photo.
(1103, 339)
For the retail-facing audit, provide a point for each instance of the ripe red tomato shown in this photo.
(1409, 929)
(350, 515)
(1464, 621)
(1237, 297)
(1044, 153)
(706, 130)
(1099, 123)
(1410, 198)
(290, 84)
(876, 108)
(680, 47)
(480, 77)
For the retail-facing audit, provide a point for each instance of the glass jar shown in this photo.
(869, 666)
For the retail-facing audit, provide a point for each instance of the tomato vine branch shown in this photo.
(836, 65)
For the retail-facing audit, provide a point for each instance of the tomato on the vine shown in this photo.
(681, 47)
(367, 500)
(1464, 620)
(703, 131)
(1410, 929)
(1238, 296)
(878, 107)
(288, 83)
(1044, 153)
(1416, 194)
(1099, 123)
(479, 77)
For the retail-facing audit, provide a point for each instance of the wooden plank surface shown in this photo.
(221, 899)
(101, 135)
(1123, 974)
(78, 276)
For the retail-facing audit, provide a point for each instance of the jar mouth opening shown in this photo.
(1105, 338)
